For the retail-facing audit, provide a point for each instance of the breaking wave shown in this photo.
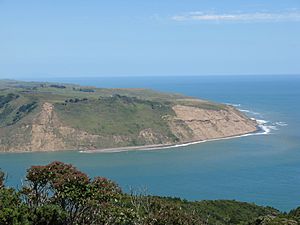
(265, 126)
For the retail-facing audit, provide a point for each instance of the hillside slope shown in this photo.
(50, 117)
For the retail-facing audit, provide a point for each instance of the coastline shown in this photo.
(260, 131)
(263, 128)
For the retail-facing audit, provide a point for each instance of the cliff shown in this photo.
(53, 117)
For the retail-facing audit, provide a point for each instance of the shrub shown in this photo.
(2, 179)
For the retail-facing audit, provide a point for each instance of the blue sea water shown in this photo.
(264, 169)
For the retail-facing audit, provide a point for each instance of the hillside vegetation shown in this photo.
(49, 116)
(59, 194)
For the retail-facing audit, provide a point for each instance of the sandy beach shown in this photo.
(261, 129)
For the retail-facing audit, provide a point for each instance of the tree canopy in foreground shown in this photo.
(60, 194)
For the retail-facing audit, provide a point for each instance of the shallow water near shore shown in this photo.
(264, 169)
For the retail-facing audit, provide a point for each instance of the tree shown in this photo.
(12, 209)
(2, 179)
(84, 201)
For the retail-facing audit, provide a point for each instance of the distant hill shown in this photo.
(49, 116)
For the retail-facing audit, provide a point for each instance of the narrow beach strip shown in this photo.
(260, 131)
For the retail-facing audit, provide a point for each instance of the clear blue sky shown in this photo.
(141, 37)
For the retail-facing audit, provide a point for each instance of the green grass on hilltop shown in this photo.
(106, 115)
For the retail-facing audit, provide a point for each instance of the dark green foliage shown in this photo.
(48, 214)
(13, 108)
(160, 212)
(23, 111)
(27, 107)
(86, 90)
(7, 98)
(2, 179)
(59, 194)
(12, 209)
(238, 211)
(274, 220)
(75, 100)
(6, 114)
(295, 213)
(76, 198)
(57, 86)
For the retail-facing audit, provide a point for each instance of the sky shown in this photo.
(75, 38)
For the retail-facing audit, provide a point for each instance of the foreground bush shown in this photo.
(60, 194)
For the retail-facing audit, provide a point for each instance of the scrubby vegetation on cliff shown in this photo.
(60, 194)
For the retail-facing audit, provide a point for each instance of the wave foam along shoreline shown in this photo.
(233, 104)
(282, 124)
(264, 128)
(145, 148)
(264, 125)
(249, 111)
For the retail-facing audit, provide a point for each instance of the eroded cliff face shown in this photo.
(195, 124)
(49, 133)
(46, 132)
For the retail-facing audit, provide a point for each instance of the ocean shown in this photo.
(262, 168)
